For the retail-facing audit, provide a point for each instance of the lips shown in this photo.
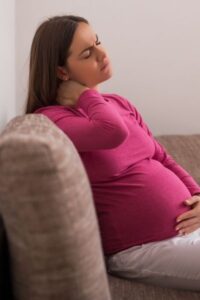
(105, 65)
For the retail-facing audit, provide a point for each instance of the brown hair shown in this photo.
(50, 49)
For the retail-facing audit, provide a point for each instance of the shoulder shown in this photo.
(120, 100)
(113, 97)
(54, 112)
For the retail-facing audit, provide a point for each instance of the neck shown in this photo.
(96, 87)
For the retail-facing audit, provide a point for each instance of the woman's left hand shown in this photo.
(69, 92)
(190, 220)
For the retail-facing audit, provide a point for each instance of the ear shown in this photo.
(62, 73)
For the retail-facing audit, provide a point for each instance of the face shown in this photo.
(88, 62)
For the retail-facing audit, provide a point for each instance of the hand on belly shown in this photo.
(190, 220)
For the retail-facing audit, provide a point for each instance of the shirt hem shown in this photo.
(138, 243)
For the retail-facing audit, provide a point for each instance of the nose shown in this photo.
(101, 54)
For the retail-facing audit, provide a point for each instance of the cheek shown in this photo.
(86, 72)
(89, 70)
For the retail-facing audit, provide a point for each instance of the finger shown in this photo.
(186, 215)
(64, 101)
(187, 223)
(189, 229)
(192, 200)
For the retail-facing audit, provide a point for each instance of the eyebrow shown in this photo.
(88, 48)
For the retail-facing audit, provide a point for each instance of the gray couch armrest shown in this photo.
(49, 216)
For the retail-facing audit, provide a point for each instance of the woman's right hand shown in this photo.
(69, 92)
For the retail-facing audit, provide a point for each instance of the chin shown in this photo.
(93, 85)
(106, 77)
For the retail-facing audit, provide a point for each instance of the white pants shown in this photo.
(173, 262)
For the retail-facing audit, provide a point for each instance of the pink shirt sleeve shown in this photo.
(100, 128)
(162, 156)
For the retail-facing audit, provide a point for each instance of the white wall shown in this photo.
(154, 47)
(7, 61)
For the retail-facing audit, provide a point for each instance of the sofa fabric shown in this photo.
(49, 216)
(123, 289)
(186, 151)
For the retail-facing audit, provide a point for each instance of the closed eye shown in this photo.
(89, 51)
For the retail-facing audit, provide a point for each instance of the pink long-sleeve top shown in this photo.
(138, 189)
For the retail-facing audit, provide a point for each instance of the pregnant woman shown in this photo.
(148, 206)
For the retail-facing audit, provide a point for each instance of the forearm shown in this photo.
(93, 123)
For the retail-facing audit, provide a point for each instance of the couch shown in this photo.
(50, 245)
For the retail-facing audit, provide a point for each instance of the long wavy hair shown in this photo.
(49, 49)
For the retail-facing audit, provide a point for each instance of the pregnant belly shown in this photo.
(144, 204)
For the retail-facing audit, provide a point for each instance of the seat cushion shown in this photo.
(133, 290)
(185, 150)
(49, 215)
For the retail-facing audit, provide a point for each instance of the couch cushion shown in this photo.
(185, 150)
(133, 290)
(49, 215)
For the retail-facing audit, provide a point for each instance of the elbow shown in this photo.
(118, 137)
